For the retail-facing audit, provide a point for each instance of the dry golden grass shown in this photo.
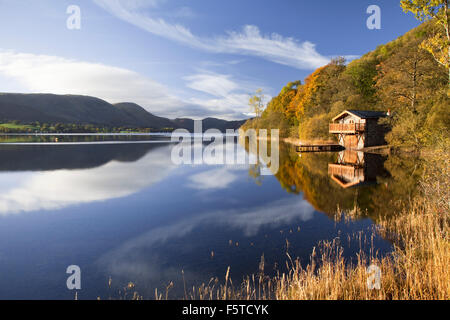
(416, 269)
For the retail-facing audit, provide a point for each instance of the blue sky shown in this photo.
(178, 58)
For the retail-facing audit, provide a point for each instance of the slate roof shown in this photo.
(363, 114)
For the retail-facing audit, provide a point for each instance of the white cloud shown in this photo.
(131, 12)
(51, 74)
(130, 260)
(182, 12)
(214, 84)
(228, 107)
(229, 97)
(236, 61)
(140, 4)
(51, 190)
(212, 179)
(249, 41)
(286, 51)
(350, 58)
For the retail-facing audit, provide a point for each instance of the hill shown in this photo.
(208, 123)
(140, 117)
(400, 76)
(86, 110)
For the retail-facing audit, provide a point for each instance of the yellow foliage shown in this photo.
(438, 46)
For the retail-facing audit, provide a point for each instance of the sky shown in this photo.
(175, 58)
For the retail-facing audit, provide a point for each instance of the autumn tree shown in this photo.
(282, 102)
(319, 90)
(402, 79)
(256, 103)
(359, 82)
(306, 94)
(410, 83)
(397, 75)
(314, 99)
(275, 115)
(439, 43)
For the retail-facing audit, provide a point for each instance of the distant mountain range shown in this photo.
(75, 109)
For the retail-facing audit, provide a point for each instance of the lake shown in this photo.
(120, 209)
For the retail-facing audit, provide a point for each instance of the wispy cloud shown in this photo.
(233, 106)
(51, 190)
(286, 51)
(212, 179)
(52, 74)
(247, 220)
(132, 11)
(182, 12)
(248, 41)
(226, 95)
(218, 85)
(139, 257)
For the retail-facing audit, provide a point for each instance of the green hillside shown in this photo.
(138, 116)
(75, 113)
(208, 123)
(400, 76)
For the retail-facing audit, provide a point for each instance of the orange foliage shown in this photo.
(305, 95)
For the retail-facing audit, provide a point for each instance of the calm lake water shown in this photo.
(124, 211)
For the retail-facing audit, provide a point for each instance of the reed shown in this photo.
(416, 269)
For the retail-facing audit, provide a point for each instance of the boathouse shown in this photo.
(355, 168)
(358, 129)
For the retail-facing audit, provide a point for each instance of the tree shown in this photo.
(319, 90)
(403, 79)
(281, 103)
(407, 130)
(361, 74)
(439, 44)
(256, 103)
